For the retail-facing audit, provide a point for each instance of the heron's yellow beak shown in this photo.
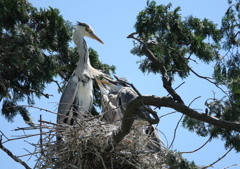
(101, 81)
(94, 36)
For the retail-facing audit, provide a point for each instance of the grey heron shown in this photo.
(77, 96)
(115, 96)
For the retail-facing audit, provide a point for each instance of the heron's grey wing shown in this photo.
(68, 97)
(125, 95)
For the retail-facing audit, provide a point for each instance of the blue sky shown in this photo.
(112, 21)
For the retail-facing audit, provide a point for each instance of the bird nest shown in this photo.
(83, 146)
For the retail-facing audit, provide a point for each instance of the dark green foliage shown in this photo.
(197, 126)
(177, 39)
(28, 37)
(227, 71)
(34, 47)
(12, 111)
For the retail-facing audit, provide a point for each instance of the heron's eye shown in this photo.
(88, 30)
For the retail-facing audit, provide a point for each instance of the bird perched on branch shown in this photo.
(77, 97)
(115, 97)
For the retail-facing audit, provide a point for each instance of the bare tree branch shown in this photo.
(59, 87)
(10, 154)
(199, 147)
(230, 166)
(175, 130)
(218, 159)
(207, 78)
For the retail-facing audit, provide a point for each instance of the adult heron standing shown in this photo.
(77, 97)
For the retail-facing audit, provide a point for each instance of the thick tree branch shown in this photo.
(124, 129)
(172, 103)
(127, 121)
(132, 106)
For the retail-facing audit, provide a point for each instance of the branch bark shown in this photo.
(178, 106)
(169, 102)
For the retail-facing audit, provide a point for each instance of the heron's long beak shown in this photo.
(110, 81)
(101, 81)
(102, 88)
(94, 36)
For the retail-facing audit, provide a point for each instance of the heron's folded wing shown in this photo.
(68, 97)
(124, 96)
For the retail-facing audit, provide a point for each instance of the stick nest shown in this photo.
(83, 146)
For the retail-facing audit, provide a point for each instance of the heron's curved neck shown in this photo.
(83, 55)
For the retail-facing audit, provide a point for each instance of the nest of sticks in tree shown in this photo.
(83, 146)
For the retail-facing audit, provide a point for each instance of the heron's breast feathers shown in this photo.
(84, 78)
